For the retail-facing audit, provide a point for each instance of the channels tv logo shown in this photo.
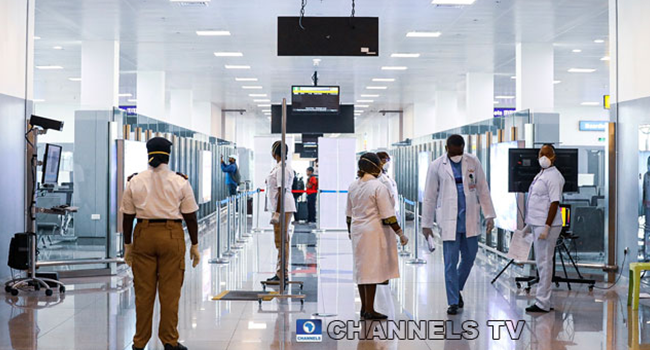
(309, 331)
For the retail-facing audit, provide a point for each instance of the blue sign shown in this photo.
(309, 331)
(503, 111)
(130, 110)
(586, 125)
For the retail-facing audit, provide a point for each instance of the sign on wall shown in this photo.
(591, 125)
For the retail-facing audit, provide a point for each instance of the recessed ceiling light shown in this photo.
(606, 58)
(394, 68)
(38, 100)
(50, 67)
(557, 81)
(496, 102)
(359, 111)
(230, 66)
(251, 87)
(576, 50)
(74, 79)
(366, 95)
(581, 70)
(264, 105)
(262, 100)
(388, 80)
(376, 87)
(266, 110)
(57, 48)
(228, 54)
(365, 101)
(245, 79)
(513, 77)
(405, 55)
(212, 33)
(599, 41)
(452, 2)
(257, 95)
(504, 97)
(423, 34)
(132, 100)
(590, 104)
(37, 38)
(362, 106)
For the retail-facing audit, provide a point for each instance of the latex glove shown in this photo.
(544, 233)
(195, 255)
(402, 238)
(128, 258)
(427, 231)
(275, 219)
(489, 225)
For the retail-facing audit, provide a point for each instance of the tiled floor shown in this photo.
(98, 313)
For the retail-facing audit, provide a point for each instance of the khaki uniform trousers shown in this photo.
(158, 265)
(278, 244)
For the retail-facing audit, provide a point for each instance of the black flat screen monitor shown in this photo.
(51, 164)
(315, 99)
(321, 123)
(524, 166)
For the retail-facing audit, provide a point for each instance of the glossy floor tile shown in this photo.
(99, 313)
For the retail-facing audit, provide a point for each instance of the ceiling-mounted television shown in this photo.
(322, 123)
(315, 99)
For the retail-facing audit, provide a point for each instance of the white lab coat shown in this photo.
(273, 183)
(391, 185)
(441, 197)
(374, 249)
(545, 189)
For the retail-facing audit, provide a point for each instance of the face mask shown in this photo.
(544, 162)
(386, 166)
(456, 159)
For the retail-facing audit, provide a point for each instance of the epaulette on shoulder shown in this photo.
(131, 176)
(182, 175)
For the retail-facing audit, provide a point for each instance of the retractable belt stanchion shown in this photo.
(240, 218)
(218, 259)
(246, 235)
(318, 228)
(229, 251)
(257, 213)
(416, 227)
(404, 251)
(233, 230)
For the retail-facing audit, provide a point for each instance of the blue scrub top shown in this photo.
(458, 175)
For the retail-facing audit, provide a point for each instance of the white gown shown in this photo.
(374, 248)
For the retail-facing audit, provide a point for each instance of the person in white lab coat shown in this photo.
(388, 181)
(273, 190)
(543, 220)
(455, 192)
(371, 222)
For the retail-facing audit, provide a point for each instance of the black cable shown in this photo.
(620, 274)
(303, 4)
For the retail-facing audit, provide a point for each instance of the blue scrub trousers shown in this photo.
(456, 275)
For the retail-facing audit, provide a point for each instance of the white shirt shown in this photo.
(545, 189)
(273, 182)
(391, 185)
(158, 193)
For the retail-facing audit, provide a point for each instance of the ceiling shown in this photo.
(160, 35)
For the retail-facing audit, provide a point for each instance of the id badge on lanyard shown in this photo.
(472, 180)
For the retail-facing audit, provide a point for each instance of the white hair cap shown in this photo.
(233, 156)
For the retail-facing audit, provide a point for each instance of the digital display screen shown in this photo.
(313, 123)
(315, 99)
(52, 161)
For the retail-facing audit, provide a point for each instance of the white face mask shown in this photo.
(544, 162)
(387, 166)
(456, 159)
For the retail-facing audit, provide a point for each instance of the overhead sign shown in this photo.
(598, 125)
(502, 112)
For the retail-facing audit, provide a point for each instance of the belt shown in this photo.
(154, 221)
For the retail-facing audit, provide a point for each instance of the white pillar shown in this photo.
(181, 108)
(17, 41)
(202, 117)
(216, 121)
(479, 97)
(100, 74)
(151, 94)
(446, 111)
(535, 75)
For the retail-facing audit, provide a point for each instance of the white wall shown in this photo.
(634, 49)
(202, 117)
(215, 117)
(570, 134)
(16, 39)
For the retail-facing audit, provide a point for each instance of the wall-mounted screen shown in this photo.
(300, 123)
(315, 99)
(135, 158)
(205, 176)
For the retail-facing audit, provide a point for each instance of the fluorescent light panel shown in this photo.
(504, 97)
(576, 50)
(388, 80)
(245, 79)
(251, 87)
(362, 106)
(262, 100)
(230, 66)
(581, 70)
(394, 68)
(74, 79)
(228, 54)
(257, 95)
(212, 33)
(599, 41)
(49, 67)
(57, 47)
(590, 104)
(423, 34)
(124, 95)
(376, 87)
(132, 100)
(405, 55)
(452, 2)
(38, 100)
(606, 58)
(366, 95)
(557, 81)
(264, 105)
(365, 101)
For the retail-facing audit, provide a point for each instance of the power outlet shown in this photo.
(95, 217)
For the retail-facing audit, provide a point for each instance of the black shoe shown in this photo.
(375, 316)
(178, 346)
(461, 303)
(275, 278)
(452, 309)
(535, 308)
(134, 348)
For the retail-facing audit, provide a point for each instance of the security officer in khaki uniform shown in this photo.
(160, 199)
